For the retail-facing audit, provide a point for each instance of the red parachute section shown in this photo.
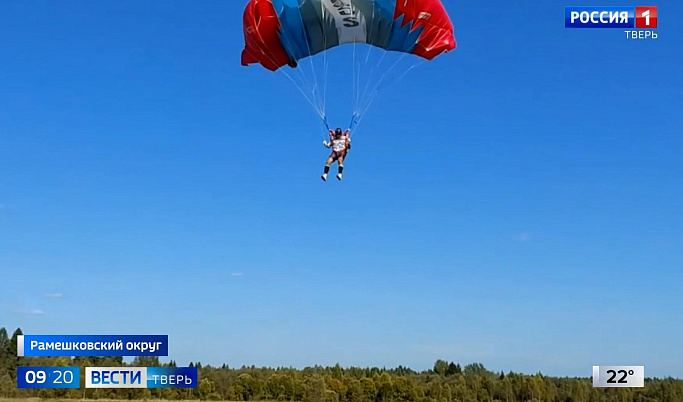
(437, 36)
(261, 36)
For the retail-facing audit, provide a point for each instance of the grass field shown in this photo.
(89, 400)
(93, 400)
(99, 400)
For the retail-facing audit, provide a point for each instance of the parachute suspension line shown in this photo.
(358, 85)
(355, 115)
(325, 75)
(304, 79)
(303, 88)
(357, 91)
(371, 96)
(313, 105)
(354, 72)
(326, 65)
(372, 74)
(416, 64)
(327, 127)
(296, 84)
(377, 88)
(359, 109)
(321, 104)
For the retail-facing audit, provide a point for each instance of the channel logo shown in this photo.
(171, 377)
(116, 377)
(141, 377)
(610, 17)
(646, 17)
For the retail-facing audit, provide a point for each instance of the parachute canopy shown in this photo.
(281, 32)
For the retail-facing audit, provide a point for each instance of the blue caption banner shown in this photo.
(92, 345)
(599, 17)
(48, 377)
(171, 377)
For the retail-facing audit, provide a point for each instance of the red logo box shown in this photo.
(646, 17)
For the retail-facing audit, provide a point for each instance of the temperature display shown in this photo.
(618, 376)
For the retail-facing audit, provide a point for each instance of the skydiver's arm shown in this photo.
(328, 144)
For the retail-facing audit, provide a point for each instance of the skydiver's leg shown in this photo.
(327, 168)
(340, 162)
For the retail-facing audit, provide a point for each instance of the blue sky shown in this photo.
(516, 202)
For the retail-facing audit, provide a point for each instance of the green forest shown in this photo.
(445, 382)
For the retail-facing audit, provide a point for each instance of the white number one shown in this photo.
(646, 14)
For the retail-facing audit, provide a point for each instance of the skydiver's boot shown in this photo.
(341, 169)
(327, 170)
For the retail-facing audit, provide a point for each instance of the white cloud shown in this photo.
(32, 312)
(54, 295)
(237, 274)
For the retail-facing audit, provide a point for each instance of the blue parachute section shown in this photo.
(312, 26)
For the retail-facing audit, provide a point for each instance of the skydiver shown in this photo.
(340, 142)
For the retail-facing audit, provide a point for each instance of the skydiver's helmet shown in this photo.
(338, 133)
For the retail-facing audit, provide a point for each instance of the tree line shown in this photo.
(445, 382)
